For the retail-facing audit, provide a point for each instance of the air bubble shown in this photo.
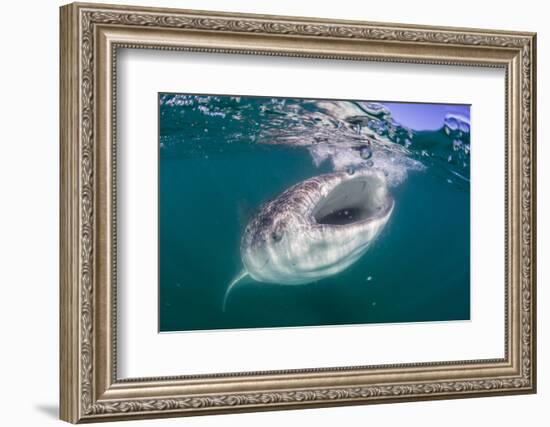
(350, 170)
(365, 153)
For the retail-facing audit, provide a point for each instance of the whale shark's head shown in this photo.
(316, 228)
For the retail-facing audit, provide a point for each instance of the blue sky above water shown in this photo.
(424, 116)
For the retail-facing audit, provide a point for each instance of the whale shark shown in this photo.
(315, 229)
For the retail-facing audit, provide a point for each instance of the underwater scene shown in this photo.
(282, 212)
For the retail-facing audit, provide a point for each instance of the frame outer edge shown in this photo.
(68, 227)
(77, 225)
(305, 19)
(533, 207)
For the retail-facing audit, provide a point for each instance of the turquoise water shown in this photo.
(221, 158)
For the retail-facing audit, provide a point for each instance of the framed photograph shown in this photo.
(266, 212)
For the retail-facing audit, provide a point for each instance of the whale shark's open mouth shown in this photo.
(358, 199)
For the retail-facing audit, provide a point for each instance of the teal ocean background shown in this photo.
(222, 157)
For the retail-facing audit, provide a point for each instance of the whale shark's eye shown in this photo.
(277, 235)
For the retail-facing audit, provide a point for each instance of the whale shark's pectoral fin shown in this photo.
(237, 280)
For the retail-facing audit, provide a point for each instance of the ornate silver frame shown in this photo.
(90, 36)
